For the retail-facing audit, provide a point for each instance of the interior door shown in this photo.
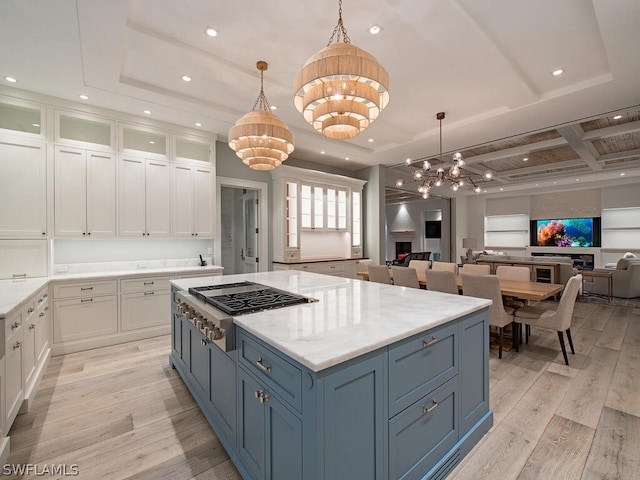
(250, 225)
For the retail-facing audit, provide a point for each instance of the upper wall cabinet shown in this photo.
(192, 193)
(84, 130)
(192, 148)
(22, 118)
(85, 193)
(23, 189)
(138, 139)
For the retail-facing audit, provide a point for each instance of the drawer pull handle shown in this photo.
(266, 368)
(430, 409)
(261, 396)
(149, 293)
(17, 345)
(46, 308)
(41, 314)
(85, 300)
(32, 326)
(19, 275)
(427, 343)
(258, 393)
(148, 283)
(30, 311)
(15, 325)
(84, 289)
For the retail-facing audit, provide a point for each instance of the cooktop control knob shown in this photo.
(218, 333)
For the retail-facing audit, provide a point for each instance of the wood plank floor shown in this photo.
(122, 413)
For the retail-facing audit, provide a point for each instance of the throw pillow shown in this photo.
(629, 255)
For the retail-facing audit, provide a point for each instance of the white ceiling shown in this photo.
(486, 63)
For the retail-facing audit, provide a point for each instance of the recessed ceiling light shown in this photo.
(617, 117)
(273, 107)
(186, 78)
(10, 79)
(322, 152)
(152, 142)
(525, 159)
(346, 158)
(555, 183)
(375, 29)
(622, 174)
(147, 112)
(536, 184)
(502, 189)
(36, 124)
(84, 97)
(370, 140)
(198, 124)
(212, 32)
(557, 72)
(577, 179)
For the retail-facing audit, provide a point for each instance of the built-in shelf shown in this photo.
(620, 228)
(506, 231)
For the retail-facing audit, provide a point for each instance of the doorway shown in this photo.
(242, 207)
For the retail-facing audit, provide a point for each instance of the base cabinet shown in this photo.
(144, 309)
(356, 420)
(13, 387)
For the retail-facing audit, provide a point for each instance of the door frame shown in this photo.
(263, 237)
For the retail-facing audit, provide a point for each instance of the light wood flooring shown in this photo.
(122, 413)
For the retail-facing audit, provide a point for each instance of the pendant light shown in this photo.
(341, 89)
(260, 138)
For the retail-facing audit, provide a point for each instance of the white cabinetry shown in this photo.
(506, 230)
(85, 193)
(14, 393)
(145, 199)
(23, 189)
(23, 258)
(145, 302)
(192, 201)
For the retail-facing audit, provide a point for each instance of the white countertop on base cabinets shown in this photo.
(14, 292)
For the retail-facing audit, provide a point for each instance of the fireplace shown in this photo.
(402, 248)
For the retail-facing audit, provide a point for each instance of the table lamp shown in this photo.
(469, 244)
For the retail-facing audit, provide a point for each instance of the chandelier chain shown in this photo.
(262, 101)
(340, 30)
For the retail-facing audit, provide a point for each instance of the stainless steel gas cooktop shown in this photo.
(246, 297)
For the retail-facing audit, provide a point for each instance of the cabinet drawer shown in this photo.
(421, 364)
(144, 284)
(277, 373)
(331, 268)
(145, 309)
(85, 318)
(292, 255)
(421, 434)
(84, 289)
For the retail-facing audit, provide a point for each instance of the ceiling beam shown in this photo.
(573, 135)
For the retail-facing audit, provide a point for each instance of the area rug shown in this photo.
(604, 300)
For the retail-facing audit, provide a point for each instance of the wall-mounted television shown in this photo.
(566, 232)
(432, 229)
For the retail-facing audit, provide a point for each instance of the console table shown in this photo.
(599, 274)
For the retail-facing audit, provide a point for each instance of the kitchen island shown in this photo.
(369, 381)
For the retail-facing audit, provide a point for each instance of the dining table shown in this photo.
(535, 291)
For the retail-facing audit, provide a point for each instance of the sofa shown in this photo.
(563, 265)
(625, 278)
(412, 256)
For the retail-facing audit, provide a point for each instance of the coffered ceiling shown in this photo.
(486, 63)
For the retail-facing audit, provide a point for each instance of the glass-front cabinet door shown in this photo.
(336, 207)
(291, 215)
(312, 212)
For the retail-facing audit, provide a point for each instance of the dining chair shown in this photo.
(379, 274)
(405, 277)
(558, 319)
(488, 286)
(442, 281)
(420, 265)
(439, 266)
(518, 274)
(363, 265)
(474, 269)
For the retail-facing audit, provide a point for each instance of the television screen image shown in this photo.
(566, 232)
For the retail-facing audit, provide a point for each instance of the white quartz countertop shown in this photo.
(350, 318)
(14, 292)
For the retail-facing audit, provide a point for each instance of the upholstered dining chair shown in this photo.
(558, 319)
(487, 286)
(518, 274)
(363, 265)
(405, 277)
(420, 265)
(439, 266)
(474, 269)
(379, 274)
(442, 281)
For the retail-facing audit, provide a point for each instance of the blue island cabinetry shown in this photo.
(409, 410)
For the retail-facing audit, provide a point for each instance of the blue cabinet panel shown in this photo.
(354, 421)
(423, 433)
(251, 425)
(284, 442)
(200, 361)
(474, 375)
(176, 333)
(223, 392)
(185, 351)
(420, 364)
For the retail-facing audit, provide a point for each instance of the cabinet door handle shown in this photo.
(30, 311)
(17, 345)
(85, 300)
(41, 314)
(258, 393)
(430, 409)
(266, 368)
(15, 325)
(149, 293)
(148, 283)
(427, 343)
(264, 398)
(19, 275)
(84, 289)
(32, 326)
